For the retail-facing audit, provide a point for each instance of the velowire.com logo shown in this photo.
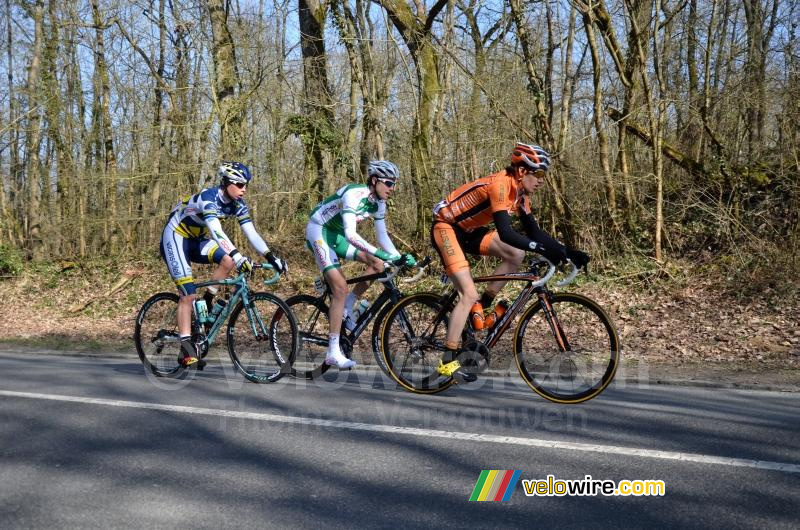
(495, 485)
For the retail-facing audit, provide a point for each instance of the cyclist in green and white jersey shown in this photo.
(331, 235)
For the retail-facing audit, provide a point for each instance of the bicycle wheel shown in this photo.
(312, 321)
(575, 368)
(262, 338)
(412, 343)
(156, 336)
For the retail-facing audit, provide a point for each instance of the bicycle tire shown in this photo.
(375, 338)
(257, 363)
(156, 336)
(311, 314)
(581, 372)
(412, 344)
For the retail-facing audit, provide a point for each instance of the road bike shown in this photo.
(311, 313)
(261, 333)
(564, 344)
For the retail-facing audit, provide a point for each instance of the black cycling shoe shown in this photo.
(190, 357)
(463, 376)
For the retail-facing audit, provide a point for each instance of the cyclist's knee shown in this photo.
(338, 285)
(187, 298)
(227, 264)
(374, 265)
(513, 256)
(469, 295)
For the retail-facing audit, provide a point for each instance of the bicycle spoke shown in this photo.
(264, 346)
(567, 352)
(156, 335)
(312, 317)
(412, 355)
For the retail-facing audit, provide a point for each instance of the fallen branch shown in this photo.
(118, 285)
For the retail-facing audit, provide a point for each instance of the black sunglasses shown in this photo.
(388, 183)
(240, 185)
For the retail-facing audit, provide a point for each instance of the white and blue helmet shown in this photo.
(234, 172)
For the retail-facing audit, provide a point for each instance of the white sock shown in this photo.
(333, 342)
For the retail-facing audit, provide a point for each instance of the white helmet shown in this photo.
(383, 169)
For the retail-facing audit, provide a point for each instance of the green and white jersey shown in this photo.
(350, 205)
(352, 198)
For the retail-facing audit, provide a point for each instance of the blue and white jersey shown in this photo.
(199, 217)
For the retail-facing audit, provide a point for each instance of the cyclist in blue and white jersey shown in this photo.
(331, 235)
(194, 234)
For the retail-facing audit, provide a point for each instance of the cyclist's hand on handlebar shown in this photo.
(553, 255)
(578, 257)
(243, 264)
(408, 260)
(396, 260)
(279, 265)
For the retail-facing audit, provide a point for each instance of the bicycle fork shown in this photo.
(555, 325)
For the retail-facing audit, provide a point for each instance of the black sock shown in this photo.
(450, 355)
(187, 347)
(487, 299)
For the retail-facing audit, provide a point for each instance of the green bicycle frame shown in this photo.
(242, 292)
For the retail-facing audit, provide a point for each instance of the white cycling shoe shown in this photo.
(337, 358)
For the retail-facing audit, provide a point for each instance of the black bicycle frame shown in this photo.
(494, 334)
(390, 293)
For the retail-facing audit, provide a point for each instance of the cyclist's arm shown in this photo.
(535, 233)
(507, 234)
(350, 233)
(219, 236)
(382, 233)
(255, 238)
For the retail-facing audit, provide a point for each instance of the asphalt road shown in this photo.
(94, 442)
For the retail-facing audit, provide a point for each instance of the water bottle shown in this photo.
(319, 285)
(360, 308)
(201, 310)
(476, 315)
(219, 305)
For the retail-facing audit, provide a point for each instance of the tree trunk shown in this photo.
(761, 22)
(536, 85)
(109, 158)
(226, 78)
(14, 201)
(33, 137)
(318, 129)
(602, 140)
(415, 30)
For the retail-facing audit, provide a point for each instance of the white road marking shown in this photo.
(785, 467)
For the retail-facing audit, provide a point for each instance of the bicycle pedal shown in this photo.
(462, 376)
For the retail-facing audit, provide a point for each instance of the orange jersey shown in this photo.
(473, 204)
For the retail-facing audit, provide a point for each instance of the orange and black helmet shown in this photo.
(532, 157)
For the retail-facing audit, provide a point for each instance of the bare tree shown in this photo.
(33, 135)
(229, 105)
(414, 27)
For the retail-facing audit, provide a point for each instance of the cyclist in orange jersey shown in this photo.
(460, 224)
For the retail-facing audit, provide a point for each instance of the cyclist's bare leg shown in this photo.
(374, 266)
(467, 295)
(224, 268)
(512, 259)
(338, 285)
(185, 314)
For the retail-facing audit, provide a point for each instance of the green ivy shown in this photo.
(11, 261)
